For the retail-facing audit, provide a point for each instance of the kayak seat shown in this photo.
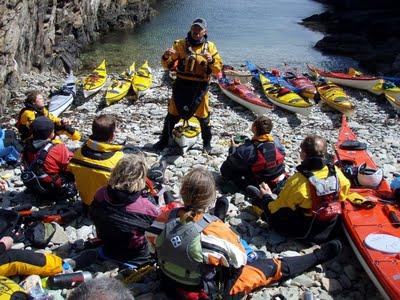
(353, 145)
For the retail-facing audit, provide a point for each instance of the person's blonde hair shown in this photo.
(197, 191)
(129, 174)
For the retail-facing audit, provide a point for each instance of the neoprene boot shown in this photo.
(221, 208)
(169, 124)
(206, 134)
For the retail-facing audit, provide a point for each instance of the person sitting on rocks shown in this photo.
(45, 163)
(122, 210)
(35, 107)
(309, 204)
(260, 159)
(195, 249)
(10, 147)
(93, 162)
(98, 156)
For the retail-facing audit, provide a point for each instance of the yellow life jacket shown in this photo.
(10, 290)
(92, 165)
(191, 65)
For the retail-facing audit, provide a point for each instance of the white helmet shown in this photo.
(368, 177)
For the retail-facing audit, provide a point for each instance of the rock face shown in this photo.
(364, 32)
(48, 34)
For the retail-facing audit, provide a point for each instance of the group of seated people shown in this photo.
(192, 247)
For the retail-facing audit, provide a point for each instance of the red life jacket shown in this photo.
(268, 158)
(324, 195)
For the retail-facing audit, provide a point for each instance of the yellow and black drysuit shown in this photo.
(29, 113)
(190, 89)
(26, 262)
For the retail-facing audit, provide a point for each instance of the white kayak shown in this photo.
(186, 133)
(62, 99)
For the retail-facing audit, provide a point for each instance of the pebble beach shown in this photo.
(140, 123)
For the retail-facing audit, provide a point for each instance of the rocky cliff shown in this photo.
(367, 31)
(49, 34)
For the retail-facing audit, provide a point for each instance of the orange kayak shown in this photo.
(371, 233)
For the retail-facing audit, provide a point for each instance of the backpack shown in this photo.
(173, 250)
(324, 195)
(33, 176)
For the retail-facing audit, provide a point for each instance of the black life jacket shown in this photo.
(269, 161)
(324, 194)
(35, 178)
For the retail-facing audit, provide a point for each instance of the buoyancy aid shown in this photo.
(34, 177)
(191, 63)
(179, 249)
(269, 162)
(324, 194)
(92, 165)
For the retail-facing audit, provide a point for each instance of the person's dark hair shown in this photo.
(262, 125)
(31, 96)
(314, 145)
(105, 288)
(103, 128)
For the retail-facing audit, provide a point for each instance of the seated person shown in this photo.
(98, 156)
(26, 262)
(47, 162)
(192, 246)
(122, 210)
(10, 147)
(92, 164)
(260, 159)
(35, 107)
(299, 209)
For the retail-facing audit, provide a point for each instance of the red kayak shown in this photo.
(243, 95)
(372, 233)
(307, 87)
(351, 78)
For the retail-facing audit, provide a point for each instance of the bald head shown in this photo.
(314, 145)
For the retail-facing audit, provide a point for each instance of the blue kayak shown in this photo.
(395, 80)
(256, 71)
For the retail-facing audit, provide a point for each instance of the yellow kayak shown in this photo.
(284, 98)
(393, 101)
(335, 97)
(388, 88)
(142, 79)
(186, 133)
(95, 81)
(119, 87)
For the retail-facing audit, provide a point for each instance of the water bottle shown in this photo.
(68, 280)
(38, 293)
(308, 295)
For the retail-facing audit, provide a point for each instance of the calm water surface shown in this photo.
(266, 32)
